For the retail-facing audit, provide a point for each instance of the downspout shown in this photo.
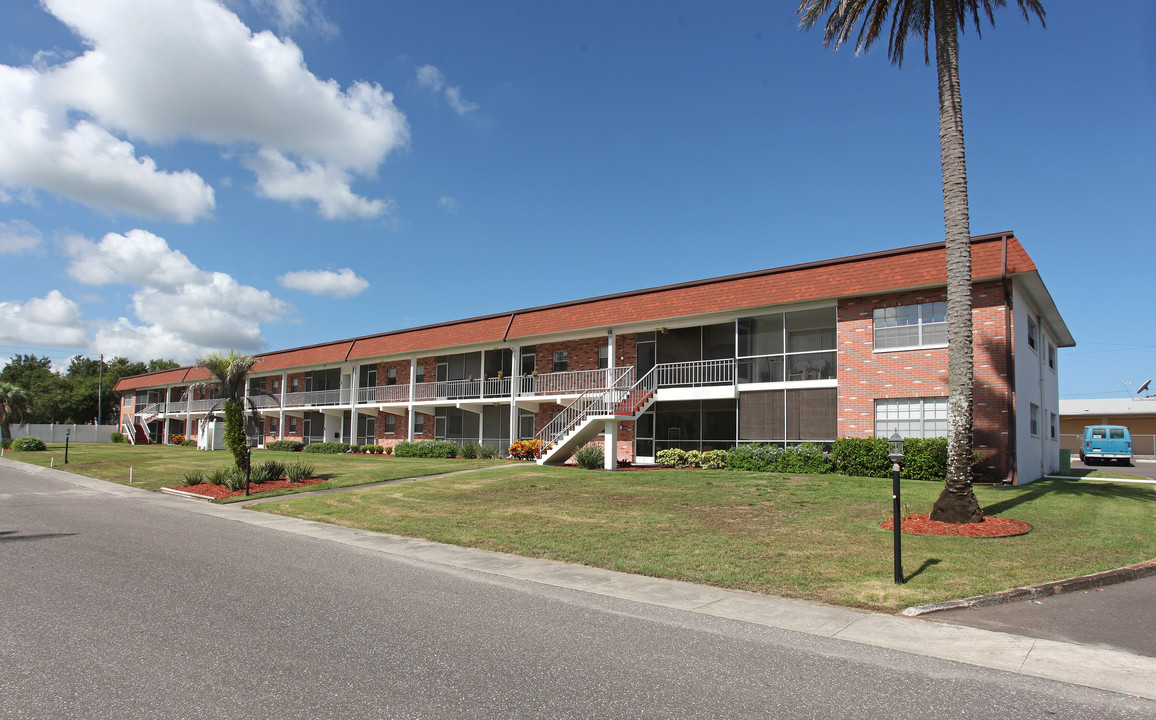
(1009, 346)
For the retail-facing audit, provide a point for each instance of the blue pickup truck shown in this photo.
(1101, 443)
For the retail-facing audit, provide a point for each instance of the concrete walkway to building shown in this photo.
(1091, 665)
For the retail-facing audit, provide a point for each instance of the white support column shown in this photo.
(610, 445)
(281, 404)
(515, 381)
(412, 395)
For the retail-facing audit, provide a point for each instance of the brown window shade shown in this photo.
(812, 414)
(761, 415)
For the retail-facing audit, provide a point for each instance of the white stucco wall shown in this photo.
(1035, 383)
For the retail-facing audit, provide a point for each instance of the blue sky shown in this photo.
(184, 175)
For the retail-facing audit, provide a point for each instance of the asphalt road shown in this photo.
(132, 606)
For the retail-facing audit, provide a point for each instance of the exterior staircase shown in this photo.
(586, 417)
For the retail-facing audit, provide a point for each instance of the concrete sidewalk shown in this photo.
(1090, 666)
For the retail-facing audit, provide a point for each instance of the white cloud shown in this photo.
(85, 162)
(280, 178)
(448, 204)
(183, 311)
(343, 283)
(165, 70)
(50, 321)
(17, 237)
(431, 78)
(293, 14)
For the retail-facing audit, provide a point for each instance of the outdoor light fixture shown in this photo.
(67, 432)
(895, 454)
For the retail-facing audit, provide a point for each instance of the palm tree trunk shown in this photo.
(957, 503)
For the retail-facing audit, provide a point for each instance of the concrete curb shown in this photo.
(1083, 582)
(185, 494)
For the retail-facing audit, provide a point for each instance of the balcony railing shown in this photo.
(382, 394)
(695, 374)
(317, 398)
(566, 383)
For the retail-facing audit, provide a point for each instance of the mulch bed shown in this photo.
(220, 491)
(991, 527)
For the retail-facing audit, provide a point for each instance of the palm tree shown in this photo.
(15, 405)
(945, 19)
(230, 372)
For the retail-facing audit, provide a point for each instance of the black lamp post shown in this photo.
(895, 454)
(67, 432)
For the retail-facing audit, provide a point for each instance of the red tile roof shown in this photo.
(873, 273)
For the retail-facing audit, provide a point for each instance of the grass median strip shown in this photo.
(815, 538)
(157, 466)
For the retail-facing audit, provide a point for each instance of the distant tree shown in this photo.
(946, 20)
(45, 388)
(159, 365)
(15, 405)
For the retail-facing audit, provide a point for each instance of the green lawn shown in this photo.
(157, 466)
(814, 538)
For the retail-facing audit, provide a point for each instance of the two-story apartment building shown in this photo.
(855, 346)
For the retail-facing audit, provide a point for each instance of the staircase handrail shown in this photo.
(130, 432)
(583, 407)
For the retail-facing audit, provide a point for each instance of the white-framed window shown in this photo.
(293, 425)
(418, 423)
(910, 326)
(1052, 356)
(561, 361)
(603, 357)
(1034, 420)
(911, 417)
(1033, 331)
(419, 374)
(1055, 427)
(391, 376)
(390, 424)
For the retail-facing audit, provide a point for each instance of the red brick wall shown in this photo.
(583, 354)
(865, 375)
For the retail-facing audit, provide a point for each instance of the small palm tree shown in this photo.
(946, 19)
(15, 405)
(230, 372)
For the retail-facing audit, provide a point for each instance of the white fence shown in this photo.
(55, 433)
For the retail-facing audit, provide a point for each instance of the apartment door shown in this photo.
(644, 438)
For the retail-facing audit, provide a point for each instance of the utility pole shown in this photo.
(99, 388)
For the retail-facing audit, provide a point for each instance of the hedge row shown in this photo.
(923, 458)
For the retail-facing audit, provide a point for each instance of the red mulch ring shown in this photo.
(220, 491)
(991, 527)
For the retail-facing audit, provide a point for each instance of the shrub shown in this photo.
(298, 470)
(176, 439)
(754, 457)
(189, 442)
(471, 449)
(487, 452)
(28, 443)
(267, 471)
(6, 443)
(862, 457)
(525, 449)
(672, 458)
(427, 449)
(372, 449)
(925, 459)
(693, 458)
(233, 479)
(388, 449)
(714, 459)
(285, 445)
(118, 437)
(217, 477)
(192, 477)
(590, 457)
(354, 449)
(327, 448)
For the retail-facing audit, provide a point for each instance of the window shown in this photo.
(561, 361)
(529, 361)
(294, 385)
(368, 376)
(272, 425)
(1052, 356)
(420, 377)
(390, 424)
(391, 376)
(1032, 332)
(293, 425)
(525, 425)
(910, 326)
(603, 357)
(277, 387)
(911, 417)
(797, 345)
(418, 423)
(1034, 420)
(1055, 426)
